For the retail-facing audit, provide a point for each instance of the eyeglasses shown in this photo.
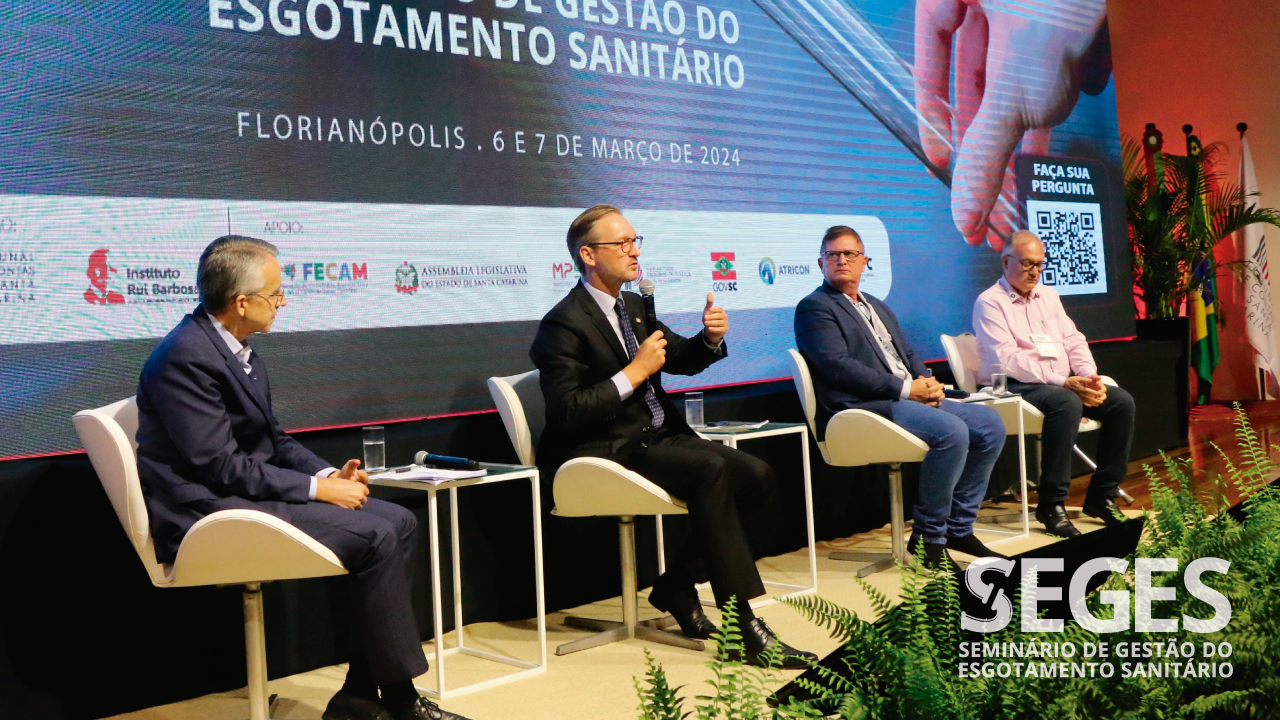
(844, 255)
(1028, 264)
(624, 246)
(274, 298)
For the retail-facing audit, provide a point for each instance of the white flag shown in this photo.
(1258, 283)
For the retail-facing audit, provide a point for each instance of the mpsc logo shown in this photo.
(723, 276)
(100, 272)
(406, 279)
(560, 271)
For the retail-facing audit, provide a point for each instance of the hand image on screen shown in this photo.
(1018, 71)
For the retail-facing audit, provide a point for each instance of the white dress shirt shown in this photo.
(242, 353)
(608, 305)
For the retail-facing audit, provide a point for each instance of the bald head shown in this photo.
(1023, 261)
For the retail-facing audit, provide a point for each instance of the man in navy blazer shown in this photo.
(860, 359)
(208, 441)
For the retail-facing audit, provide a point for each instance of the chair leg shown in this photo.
(897, 525)
(610, 631)
(255, 648)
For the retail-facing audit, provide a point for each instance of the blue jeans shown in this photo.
(964, 441)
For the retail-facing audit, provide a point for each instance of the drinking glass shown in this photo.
(375, 448)
(999, 382)
(693, 409)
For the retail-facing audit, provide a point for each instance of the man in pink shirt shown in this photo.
(1022, 327)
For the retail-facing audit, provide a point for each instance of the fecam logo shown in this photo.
(289, 270)
(406, 279)
(100, 273)
(767, 271)
(721, 271)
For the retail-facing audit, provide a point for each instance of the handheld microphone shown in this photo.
(444, 461)
(650, 312)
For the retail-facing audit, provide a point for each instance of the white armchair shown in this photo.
(585, 487)
(231, 547)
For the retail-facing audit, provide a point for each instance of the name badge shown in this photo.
(1045, 346)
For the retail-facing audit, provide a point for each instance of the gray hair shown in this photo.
(231, 266)
(1019, 237)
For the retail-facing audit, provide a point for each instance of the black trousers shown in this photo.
(376, 544)
(1062, 410)
(729, 495)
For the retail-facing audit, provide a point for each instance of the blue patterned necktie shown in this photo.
(633, 347)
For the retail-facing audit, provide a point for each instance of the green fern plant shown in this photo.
(904, 664)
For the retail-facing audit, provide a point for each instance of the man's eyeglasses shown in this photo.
(274, 298)
(624, 246)
(1029, 264)
(844, 255)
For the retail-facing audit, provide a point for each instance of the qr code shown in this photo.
(1072, 235)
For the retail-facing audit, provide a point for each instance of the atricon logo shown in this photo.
(406, 279)
(141, 285)
(723, 276)
(770, 271)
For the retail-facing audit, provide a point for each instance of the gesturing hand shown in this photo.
(1018, 72)
(649, 359)
(715, 323)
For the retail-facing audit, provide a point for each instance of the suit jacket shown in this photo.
(206, 435)
(578, 354)
(849, 370)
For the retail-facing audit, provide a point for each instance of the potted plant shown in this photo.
(1178, 209)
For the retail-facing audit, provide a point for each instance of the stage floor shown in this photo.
(598, 683)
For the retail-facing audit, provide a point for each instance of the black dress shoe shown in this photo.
(757, 635)
(971, 545)
(347, 706)
(684, 606)
(424, 709)
(1106, 511)
(1056, 521)
(936, 556)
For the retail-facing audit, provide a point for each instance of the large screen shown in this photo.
(418, 163)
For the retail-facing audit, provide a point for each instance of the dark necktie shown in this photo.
(633, 347)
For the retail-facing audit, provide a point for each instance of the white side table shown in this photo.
(1009, 407)
(497, 473)
(731, 437)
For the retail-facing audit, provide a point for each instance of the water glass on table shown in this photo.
(693, 409)
(375, 448)
(999, 382)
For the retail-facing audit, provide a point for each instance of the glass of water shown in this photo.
(999, 381)
(375, 449)
(693, 409)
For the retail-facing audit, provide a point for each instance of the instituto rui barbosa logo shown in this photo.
(1038, 657)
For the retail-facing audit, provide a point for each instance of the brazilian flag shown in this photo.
(1204, 330)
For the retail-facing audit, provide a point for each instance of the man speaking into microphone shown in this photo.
(601, 378)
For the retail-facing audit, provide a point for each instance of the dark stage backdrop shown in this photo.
(75, 595)
(418, 162)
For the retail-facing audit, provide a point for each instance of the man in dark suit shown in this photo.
(601, 380)
(860, 359)
(208, 441)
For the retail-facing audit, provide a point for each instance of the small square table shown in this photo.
(497, 473)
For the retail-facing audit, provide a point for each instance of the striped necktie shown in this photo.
(650, 398)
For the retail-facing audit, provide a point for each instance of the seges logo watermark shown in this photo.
(1179, 657)
(724, 278)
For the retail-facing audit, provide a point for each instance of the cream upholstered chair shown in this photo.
(587, 487)
(231, 547)
(859, 437)
(962, 358)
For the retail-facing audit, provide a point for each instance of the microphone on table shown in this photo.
(650, 312)
(444, 461)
